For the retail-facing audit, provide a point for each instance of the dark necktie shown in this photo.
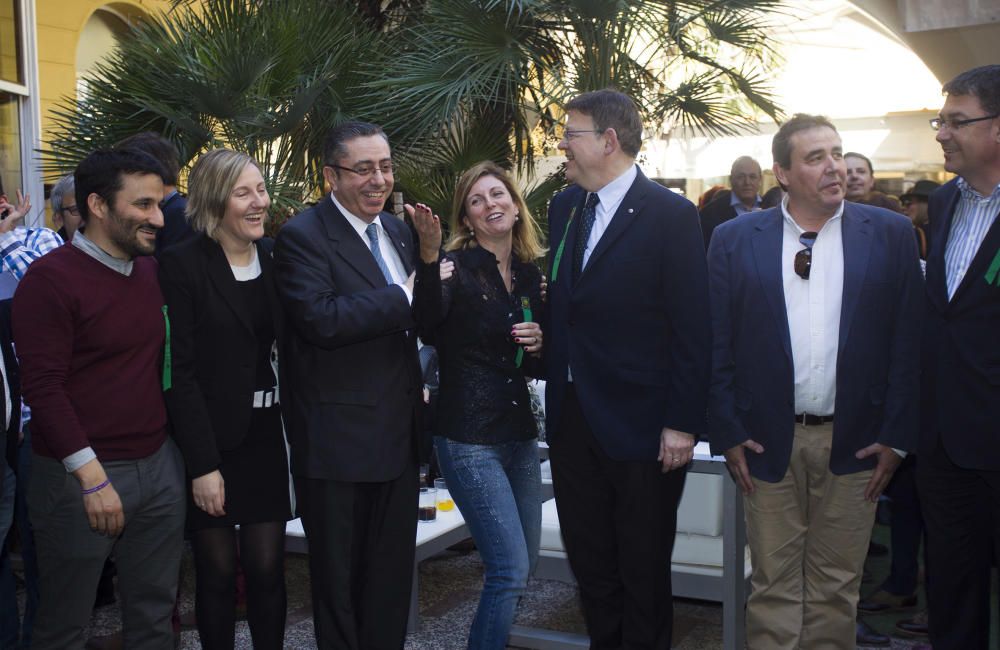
(372, 232)
(588, 216)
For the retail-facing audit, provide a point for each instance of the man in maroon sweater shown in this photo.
(89, 330)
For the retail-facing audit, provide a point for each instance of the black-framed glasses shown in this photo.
(937, 123)
(804, 258)
(73, 210)
(365, 171)
(569, 134)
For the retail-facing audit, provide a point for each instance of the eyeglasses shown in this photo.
(569, 134)
(804, 258)
(73, 210)
(939, 123)
(366, 171)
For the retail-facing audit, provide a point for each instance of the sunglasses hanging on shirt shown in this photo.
(804, 258)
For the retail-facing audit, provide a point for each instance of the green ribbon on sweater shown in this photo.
(167, 375)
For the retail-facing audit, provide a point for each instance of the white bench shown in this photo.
(710, 559)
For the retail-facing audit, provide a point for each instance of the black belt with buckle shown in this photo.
(810, 420)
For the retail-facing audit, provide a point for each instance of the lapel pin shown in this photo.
(630, 210)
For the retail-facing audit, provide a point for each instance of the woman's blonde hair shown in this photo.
(527, 245)
(209, 185)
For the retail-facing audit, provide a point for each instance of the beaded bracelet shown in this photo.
(98, 488)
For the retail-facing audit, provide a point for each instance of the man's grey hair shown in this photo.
(66, 185)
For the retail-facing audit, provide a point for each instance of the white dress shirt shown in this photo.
(389, 254)
(813, 311)
(611, 196)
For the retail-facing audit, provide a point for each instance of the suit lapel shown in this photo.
(221, 276)
(937, 282)
(627, 212)
(572, 232)
(349, 246)
(394, 227)
(767, 245)
(856, 235)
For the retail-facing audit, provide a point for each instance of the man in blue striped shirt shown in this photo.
(958, 464)
(20, 246)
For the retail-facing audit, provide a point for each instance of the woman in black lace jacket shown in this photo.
(482, 321)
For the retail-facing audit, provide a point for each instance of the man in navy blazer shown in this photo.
(958, 467)
(627, 358)
(351, 393)
(815, 312)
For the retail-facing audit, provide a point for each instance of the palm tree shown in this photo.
(452, 81)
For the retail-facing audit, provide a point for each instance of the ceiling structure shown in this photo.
(949, 36)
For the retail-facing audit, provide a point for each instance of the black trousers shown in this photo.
(361, 552)
(961, 509)
(618, 521)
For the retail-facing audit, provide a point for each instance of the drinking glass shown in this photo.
(427, 506)
(444, 500)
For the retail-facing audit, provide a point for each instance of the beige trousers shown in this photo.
(808, 537)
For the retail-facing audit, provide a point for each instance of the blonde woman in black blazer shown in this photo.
(223, 400)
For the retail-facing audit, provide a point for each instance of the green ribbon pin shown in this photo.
(562, 245)
(526, 314)
(167, 375)
(993, 273)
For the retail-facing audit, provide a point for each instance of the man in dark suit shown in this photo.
(627, 358)
(352, 389)
(815, 310)
(958, 467)
(745, 179)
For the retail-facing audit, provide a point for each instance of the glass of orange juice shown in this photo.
(444, 500)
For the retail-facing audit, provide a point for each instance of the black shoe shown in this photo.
(877, 550)
(915, 627)
(866, 636)
(883, 601)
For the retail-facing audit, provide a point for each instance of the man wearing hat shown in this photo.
(915, 207)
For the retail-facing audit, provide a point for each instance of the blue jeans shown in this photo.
(497, 488)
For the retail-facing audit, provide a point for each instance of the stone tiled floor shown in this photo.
(450, 586)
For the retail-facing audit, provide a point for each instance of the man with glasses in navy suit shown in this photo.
(627, 356)
(958, 467)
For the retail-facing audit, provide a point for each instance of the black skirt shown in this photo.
(255, 475)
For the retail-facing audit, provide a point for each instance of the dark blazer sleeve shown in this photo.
(182, 280)
(324, 313)
(685, 282)
(725, 428)
(900, 425)
(432, 297)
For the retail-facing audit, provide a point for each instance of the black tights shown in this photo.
(262, 556)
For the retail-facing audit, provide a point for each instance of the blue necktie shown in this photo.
(588, 216)
(372, 232)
